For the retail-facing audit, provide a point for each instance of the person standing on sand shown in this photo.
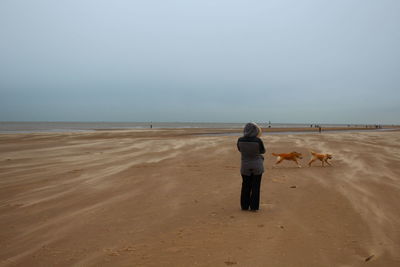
(252, 166)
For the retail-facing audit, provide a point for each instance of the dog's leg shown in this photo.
(328, 162)
(298, 165)
(311, 161)
(279, 160)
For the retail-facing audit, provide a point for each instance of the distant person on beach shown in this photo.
(252, 166)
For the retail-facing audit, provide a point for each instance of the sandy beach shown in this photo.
(171, 198)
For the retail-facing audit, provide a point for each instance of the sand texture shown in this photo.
(171, 198)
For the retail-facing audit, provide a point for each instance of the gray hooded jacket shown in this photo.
(251, 147)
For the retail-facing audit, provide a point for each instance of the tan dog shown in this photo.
(288, 156)
(322, 157)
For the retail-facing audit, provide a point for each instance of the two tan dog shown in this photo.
(293, 156)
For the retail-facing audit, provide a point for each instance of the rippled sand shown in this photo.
(171, 198)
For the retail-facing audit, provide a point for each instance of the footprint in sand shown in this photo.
(369, 258)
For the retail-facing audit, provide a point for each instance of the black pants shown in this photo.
(250, 196)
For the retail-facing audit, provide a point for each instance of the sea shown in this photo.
(34, 127)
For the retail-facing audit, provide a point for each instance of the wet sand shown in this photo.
(171, 198)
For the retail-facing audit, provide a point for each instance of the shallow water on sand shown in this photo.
(31, 127)
(296, 132)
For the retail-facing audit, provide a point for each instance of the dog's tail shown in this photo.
(274, 154)
(312, 152)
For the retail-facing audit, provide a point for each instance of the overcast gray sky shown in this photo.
(200, 60)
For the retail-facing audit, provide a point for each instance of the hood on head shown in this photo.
(251, 129)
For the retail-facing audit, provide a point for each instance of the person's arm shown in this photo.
(237, 144)
(262, 148)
